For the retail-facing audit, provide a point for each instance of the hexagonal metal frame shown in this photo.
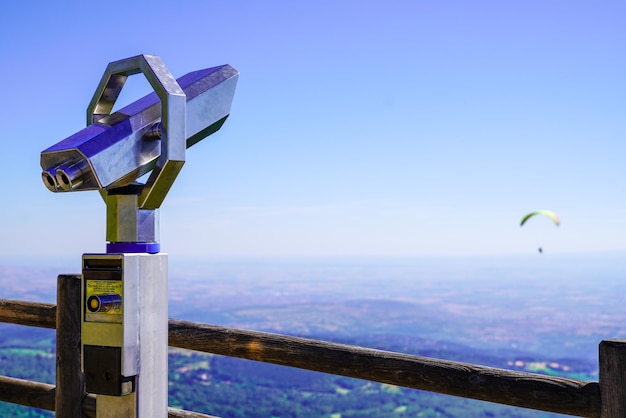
(173, 119)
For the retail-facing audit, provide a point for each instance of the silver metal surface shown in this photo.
(173, 118)
(71, 175)
(118, 148)
(152, 381)
(148, 226)
(126, 223)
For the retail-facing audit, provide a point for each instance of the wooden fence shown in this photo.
(603, 399)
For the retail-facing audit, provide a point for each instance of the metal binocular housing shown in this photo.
(124, 327)
(149, 135)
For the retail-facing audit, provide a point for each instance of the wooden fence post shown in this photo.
(613, 378)
(70, 383)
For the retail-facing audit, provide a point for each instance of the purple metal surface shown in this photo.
(133, 247)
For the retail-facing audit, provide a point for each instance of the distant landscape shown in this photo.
(544, 314)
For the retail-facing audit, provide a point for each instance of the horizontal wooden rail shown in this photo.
(526, 390)
(25, 392)
(41, 395)
(42, 315)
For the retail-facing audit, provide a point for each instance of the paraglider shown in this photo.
(553, 216)
(547, 213)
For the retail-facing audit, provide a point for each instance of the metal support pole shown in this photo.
(70, 382)
(124, 334)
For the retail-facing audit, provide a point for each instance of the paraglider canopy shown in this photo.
(547, 213)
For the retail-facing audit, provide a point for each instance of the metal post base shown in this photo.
(125, 333)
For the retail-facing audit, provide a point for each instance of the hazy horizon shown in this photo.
(551, 305)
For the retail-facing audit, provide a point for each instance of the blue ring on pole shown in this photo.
(133, 247)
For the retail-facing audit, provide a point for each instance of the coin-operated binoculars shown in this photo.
(124, 291)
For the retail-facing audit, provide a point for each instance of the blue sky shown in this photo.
(370, 128)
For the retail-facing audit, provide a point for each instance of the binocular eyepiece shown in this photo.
(66, 177)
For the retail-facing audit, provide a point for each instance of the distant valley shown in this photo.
(500, 315)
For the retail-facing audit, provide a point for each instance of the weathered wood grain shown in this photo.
(554, 394)
(42, 395)
(70, 382)
(613, 378)
(42, 315)
(25, 392)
